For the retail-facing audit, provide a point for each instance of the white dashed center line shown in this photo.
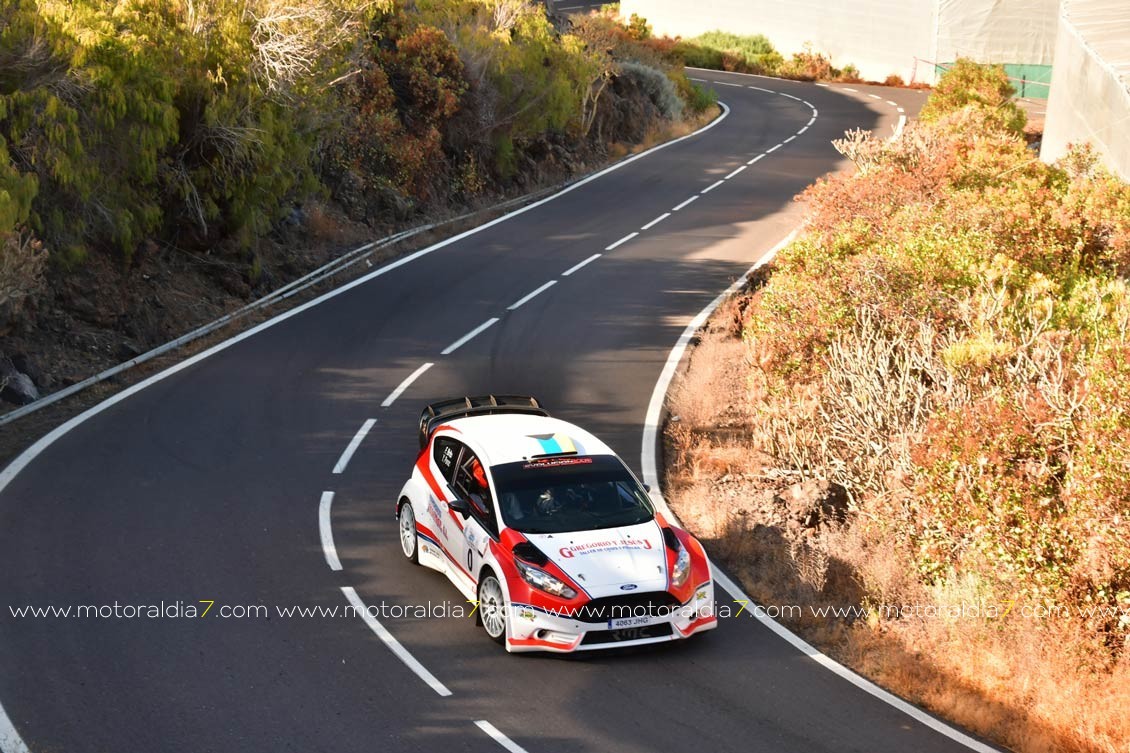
(393, 645)
(710, 188)
(499, 738)
(773, 149)
(530, 295)
(467, 337)
(575, 267)
(688, 201)
(656, 221)
(326, 532)
(743, 167)
(405, 385)
(354, 443)
(622, 241)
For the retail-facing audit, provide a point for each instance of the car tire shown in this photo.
(493, 608)
(406, 526)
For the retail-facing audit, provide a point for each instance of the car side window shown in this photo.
(446, 454)
(471, 484)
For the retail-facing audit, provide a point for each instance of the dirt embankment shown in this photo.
(105, 312)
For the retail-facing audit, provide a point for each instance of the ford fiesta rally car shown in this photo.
(544, 527)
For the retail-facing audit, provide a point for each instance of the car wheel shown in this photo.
(409, 544)
(492, 607)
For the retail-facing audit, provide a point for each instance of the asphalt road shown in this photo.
(206, 486)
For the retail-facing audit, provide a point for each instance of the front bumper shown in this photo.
(534, 629)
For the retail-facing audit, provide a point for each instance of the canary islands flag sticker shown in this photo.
(554, 444)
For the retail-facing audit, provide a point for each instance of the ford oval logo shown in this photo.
(629, 587)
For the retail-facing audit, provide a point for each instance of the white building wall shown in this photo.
(1090, 92)
(880, 37)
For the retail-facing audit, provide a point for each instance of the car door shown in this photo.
(481, 525)
(447, 453)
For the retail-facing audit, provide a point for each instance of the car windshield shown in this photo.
(560, 494)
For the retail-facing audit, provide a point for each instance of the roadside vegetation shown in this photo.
(725, 51)
(161, 162)
(922, 419)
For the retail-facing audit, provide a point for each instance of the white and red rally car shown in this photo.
(545, 528)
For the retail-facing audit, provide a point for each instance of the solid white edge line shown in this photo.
(499, 738)
(622, 241)
(656, 221)
(708, 189)
(400, 388)
(743, 167)
(773, 148)
(393, 645)
(529, 296)
(578, 266)
(756, 159)
(354, 443)
(685, 203)
(325, 531)
(23, 459)
(469, 336)
(648, 462)
(10, 740)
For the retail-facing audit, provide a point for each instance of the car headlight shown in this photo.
(542, 580)
(682, 568)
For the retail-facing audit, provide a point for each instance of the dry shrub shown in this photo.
(22, 263)
(951, 342)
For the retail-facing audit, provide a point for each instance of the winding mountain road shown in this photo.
(208, 485)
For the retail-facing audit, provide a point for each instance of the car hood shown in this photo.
(609, 556)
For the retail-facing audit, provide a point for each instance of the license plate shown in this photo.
(629, 622)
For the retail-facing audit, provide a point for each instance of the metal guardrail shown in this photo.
(321, 274)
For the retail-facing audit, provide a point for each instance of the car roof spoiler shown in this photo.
(478, 405)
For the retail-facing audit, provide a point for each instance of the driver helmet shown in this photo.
(548, 503)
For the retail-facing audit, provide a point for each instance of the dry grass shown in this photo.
(1026, 683)
(665, 130)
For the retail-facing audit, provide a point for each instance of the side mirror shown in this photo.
(461, 506)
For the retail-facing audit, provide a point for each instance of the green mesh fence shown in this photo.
(1030, 80)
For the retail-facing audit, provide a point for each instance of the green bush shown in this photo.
(726, 51)
(985, 87)
(657, 86)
